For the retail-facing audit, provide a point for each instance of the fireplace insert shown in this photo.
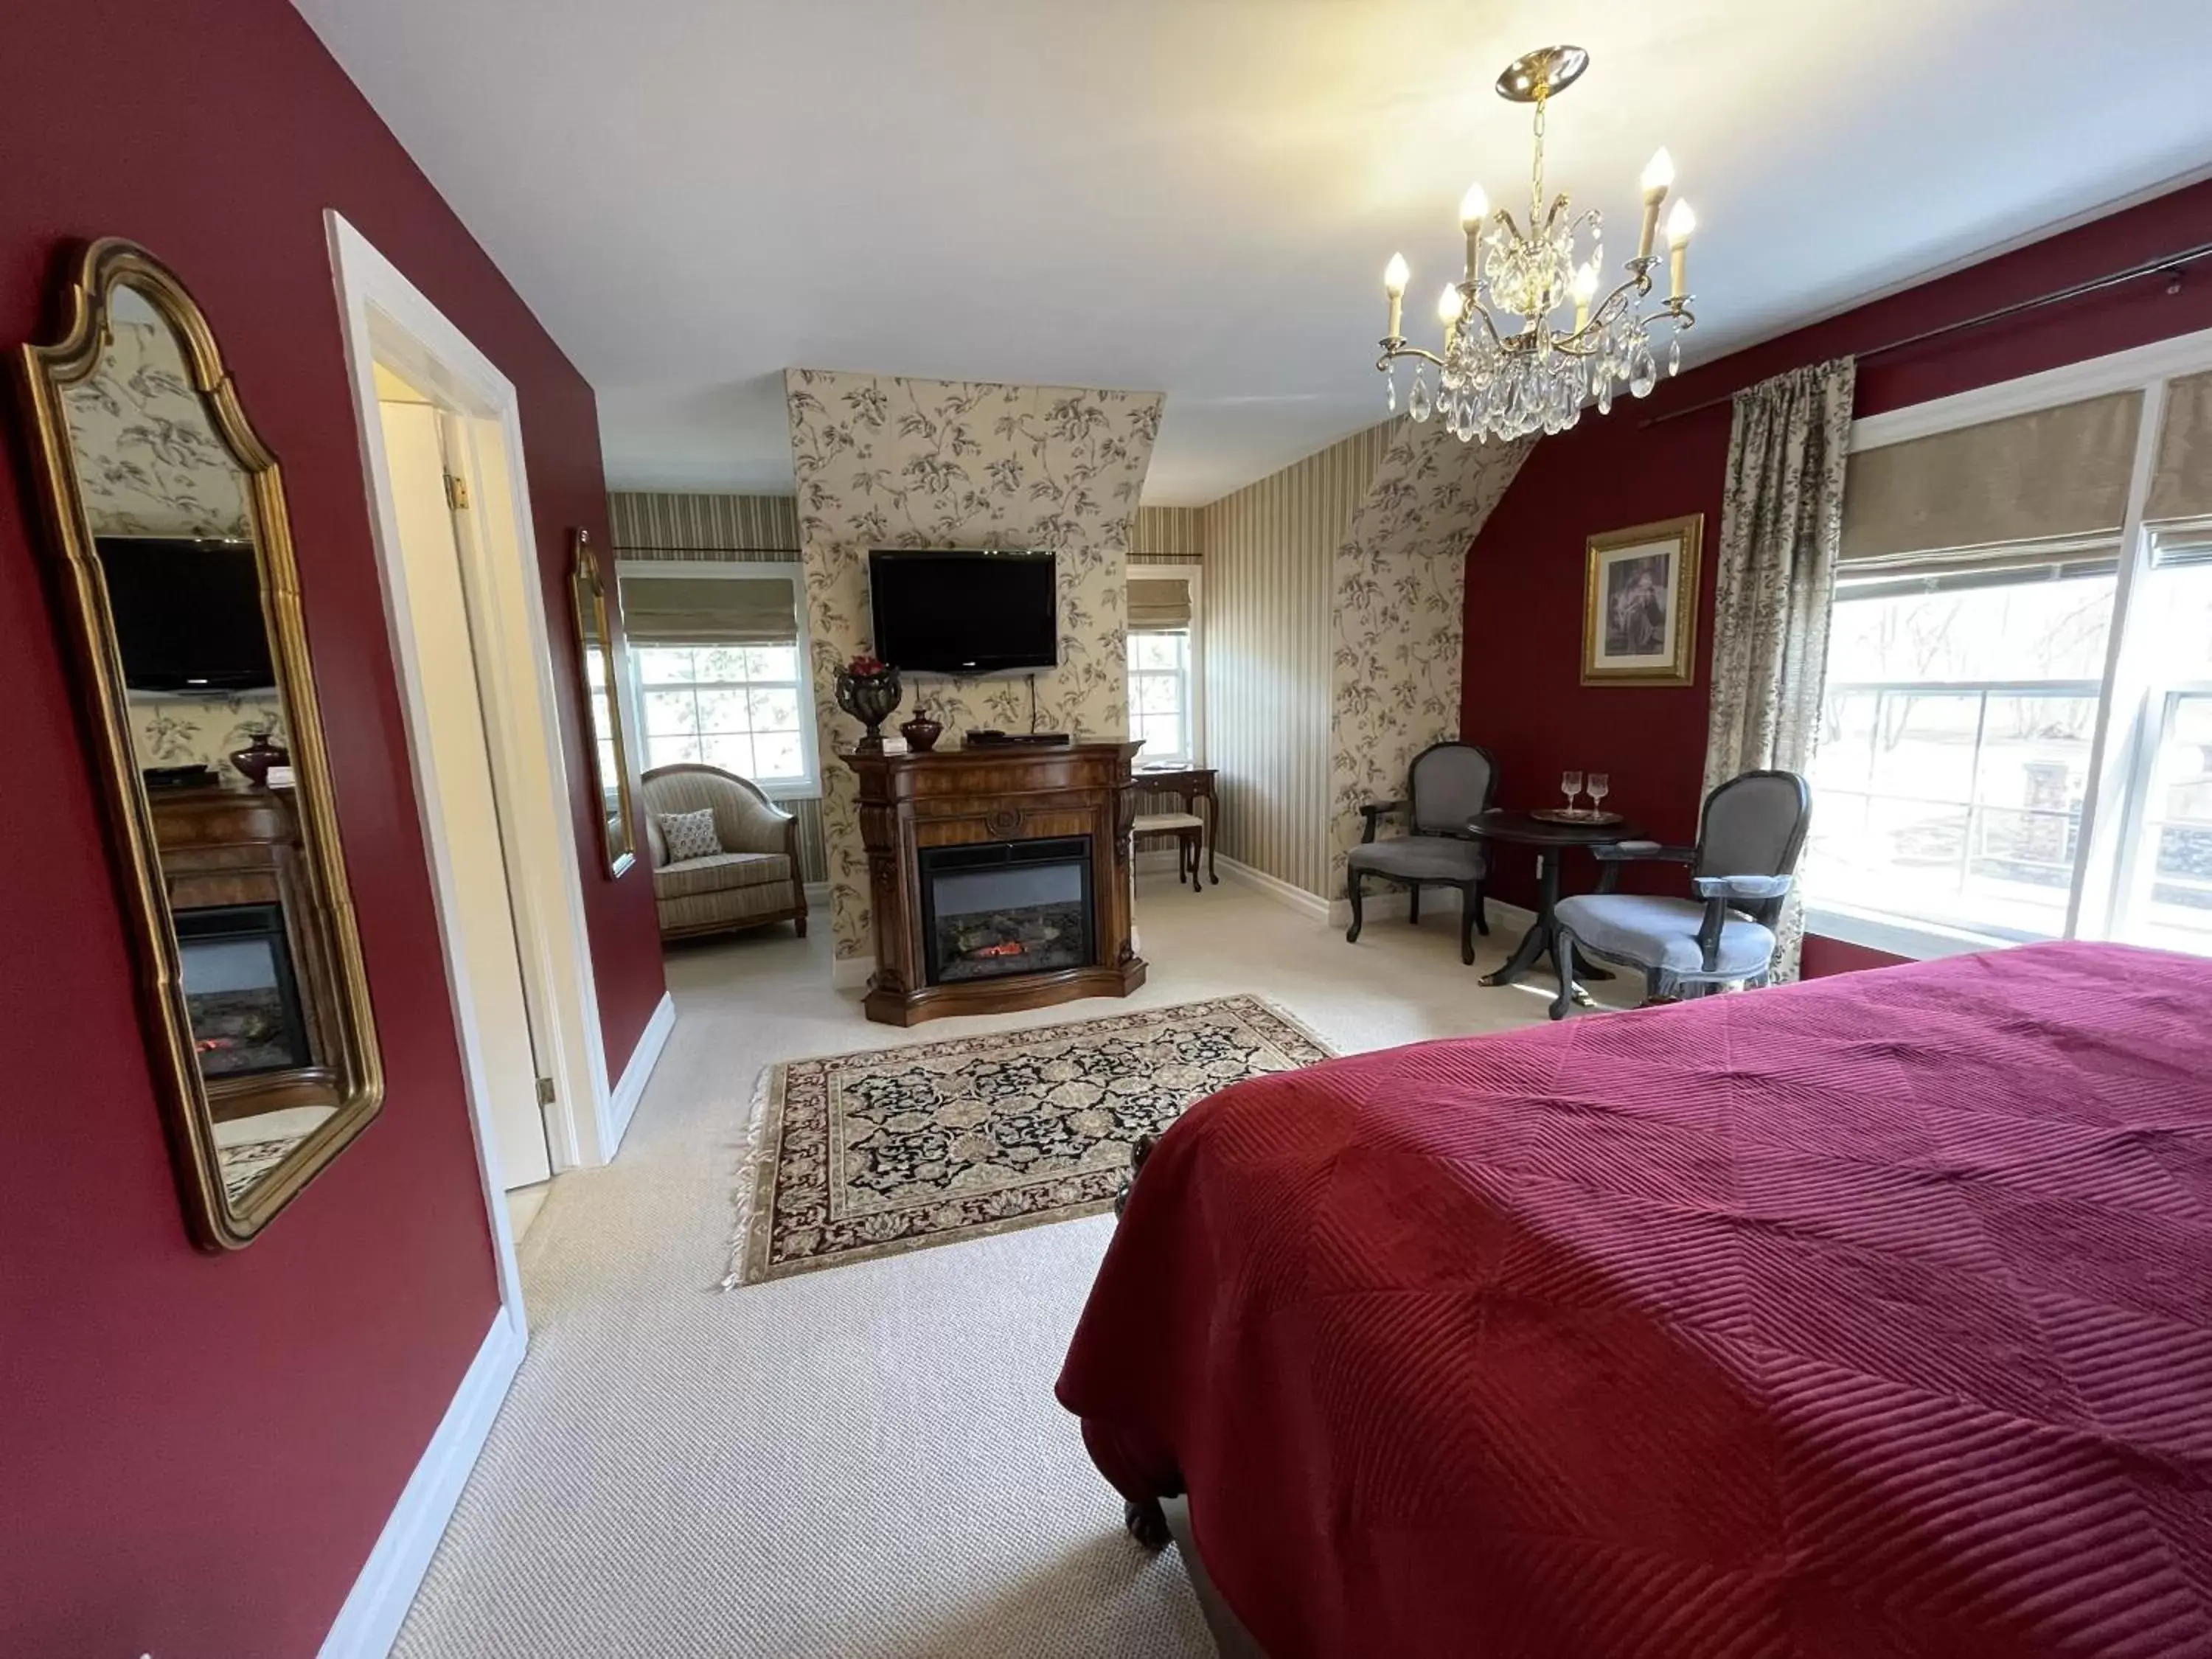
(1011, 906)
(239, 990)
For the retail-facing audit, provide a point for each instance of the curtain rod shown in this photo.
(2169, 266)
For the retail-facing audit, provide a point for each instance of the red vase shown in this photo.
(921, 733)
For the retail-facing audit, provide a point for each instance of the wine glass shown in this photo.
(1600, 786)
(1571, 786)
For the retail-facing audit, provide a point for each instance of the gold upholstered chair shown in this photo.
(745, 874)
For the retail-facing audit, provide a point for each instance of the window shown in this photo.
(718, 658)
(1955, 743)
(1163, 675)
(2164, 880)
(2016, 731)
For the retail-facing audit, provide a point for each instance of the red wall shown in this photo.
(1524, 574)
(196, 1452)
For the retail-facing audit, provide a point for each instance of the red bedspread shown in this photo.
(1870, 1317)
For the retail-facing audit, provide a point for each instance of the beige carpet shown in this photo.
(860, 1156)
(865, 1464)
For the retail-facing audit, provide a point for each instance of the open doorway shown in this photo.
(425, 458)
(457, 549)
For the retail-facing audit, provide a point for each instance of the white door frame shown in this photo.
(388, 320)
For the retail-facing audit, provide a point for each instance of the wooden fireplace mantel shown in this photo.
(971, 796)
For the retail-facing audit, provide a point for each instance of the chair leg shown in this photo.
(1413, 904)
(1482, 908)
(798, 926)
(1188, 845)
(1563, 958)
(1470, 910)
(1351, 892)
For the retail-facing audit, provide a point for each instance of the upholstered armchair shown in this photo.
(752, 878)
(1447, 784)
(1749, 837)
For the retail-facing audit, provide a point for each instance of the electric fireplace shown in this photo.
(240, 993)
(1017, 907)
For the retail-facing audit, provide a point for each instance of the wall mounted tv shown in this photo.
(187, 614)
(963, 610)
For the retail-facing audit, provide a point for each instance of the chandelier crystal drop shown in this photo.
(1511, 364)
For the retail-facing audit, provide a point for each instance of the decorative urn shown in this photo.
(868, 690)
(254, 760)
(921, 733)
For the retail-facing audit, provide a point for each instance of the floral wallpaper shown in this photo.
(147, 455)
(887, 462)
(178, 731)
(1401, 582)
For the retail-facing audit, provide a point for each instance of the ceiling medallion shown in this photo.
(1508, 367)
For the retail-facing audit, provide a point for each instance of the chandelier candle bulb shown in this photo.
(1584, 290)
(1658, 179)
(1447, 313)
(1680, 223)
(1474, 208)
(1394, 278)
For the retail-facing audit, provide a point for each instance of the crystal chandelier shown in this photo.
(1508, 367)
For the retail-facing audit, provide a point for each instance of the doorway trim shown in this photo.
(388, 320)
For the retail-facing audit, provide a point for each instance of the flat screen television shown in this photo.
(963, 610)
(187, 614)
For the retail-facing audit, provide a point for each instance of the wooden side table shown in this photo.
(1550, 838)
(1189, 784)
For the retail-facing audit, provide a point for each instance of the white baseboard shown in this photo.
(1305, 903)
(852, 972)
(369, 1621)
(817, 894)
(623, 1098)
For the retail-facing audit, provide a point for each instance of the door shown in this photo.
(437, 605)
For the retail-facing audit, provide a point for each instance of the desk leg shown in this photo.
(1213, 835)
(1538, 939)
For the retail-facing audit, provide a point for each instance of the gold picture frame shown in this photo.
(343, 1075)
(1640, 603)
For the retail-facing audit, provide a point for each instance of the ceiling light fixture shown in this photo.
(1507, 368)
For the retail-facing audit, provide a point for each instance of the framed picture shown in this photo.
(1640, 604)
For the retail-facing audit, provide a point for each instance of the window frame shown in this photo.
(808, 788)
(2123, 742)
(1193, 673)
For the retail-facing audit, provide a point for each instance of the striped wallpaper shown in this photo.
(762, 529)
(1269, 553)
(1168, 535)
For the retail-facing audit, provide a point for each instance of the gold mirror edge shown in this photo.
(47, 368)
(588, 584)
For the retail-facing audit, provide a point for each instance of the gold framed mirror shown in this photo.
(595, 650)
(179, 603)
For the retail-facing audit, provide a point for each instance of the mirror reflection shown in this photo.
(595, 645)
(257, 969)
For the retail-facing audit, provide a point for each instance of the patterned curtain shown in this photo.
(1782, 522)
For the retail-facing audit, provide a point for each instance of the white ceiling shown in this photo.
(1198, 195)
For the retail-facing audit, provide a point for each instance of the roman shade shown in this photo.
(692, 611)
(2053, 475)
(2181, 484)
(1159, 605)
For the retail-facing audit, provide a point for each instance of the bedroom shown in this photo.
(672, 276)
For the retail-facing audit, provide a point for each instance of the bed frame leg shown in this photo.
(1146, 1523)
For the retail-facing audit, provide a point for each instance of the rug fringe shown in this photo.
(751, 1151)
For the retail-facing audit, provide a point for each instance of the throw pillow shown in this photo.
(690, 834)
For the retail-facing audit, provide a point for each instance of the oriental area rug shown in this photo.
(855, 1157)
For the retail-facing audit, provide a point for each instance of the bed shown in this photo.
(1870, 1317)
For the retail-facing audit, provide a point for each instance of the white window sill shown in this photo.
(792, 789)
(1898, 936)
